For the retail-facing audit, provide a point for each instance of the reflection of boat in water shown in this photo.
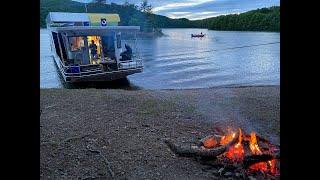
(88, 47)
(197, 35)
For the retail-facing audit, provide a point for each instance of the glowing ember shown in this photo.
(210, 142)
(259, 166)
(273, 167)
(236, 153)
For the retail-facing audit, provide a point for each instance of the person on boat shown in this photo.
(201, 33)
(93, 49)
(127, 54)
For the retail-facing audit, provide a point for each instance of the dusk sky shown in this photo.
(200, 9)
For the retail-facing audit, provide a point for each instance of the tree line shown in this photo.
(265, 19)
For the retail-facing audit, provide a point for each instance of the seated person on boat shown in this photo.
(127, 54)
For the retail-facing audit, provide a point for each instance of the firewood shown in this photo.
(194, 150)
(253, 159)
(201, 142)
(247, 151)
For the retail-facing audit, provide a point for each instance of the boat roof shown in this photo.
(92, 18)
(68, 17)
(96, 17)
(91, 30)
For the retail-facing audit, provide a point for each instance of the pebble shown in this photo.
(228, 174)
(252, 178)
(215, 171)
(220, 170)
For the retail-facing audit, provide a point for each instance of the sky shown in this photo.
(200, 9)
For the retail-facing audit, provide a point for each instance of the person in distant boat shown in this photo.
(93, 49)
(201, 33)
(127, 54)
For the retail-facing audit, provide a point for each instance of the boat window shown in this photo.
(63, 49)
(118, 41)
(108, 46)
(56, 43)
(76, 43)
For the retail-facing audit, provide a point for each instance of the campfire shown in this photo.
(248, 152)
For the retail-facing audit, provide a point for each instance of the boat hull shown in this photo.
(110, 76)
(192, 35)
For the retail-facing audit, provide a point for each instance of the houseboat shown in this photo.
(88, 46)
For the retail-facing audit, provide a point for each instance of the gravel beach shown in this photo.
(105, 133)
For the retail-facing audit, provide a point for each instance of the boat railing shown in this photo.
(135, 62)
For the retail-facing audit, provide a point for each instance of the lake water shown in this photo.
(175, 61)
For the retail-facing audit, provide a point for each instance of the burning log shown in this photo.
(194, 150)
(253, 159)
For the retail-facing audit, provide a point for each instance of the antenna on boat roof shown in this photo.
(86, 2)
(85, 5)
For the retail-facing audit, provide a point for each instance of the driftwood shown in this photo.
(194, 150)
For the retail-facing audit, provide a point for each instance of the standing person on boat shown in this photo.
(93, 49)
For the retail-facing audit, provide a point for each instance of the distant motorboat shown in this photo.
(197, 35)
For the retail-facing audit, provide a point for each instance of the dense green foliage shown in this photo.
(265, 19)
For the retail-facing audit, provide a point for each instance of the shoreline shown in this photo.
(128, 128)
(136, 88)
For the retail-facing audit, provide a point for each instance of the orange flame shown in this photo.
(254, 145)
(236, 152)
(226, 139)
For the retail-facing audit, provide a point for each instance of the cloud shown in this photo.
(193, 15)
(177, 5)
(207, 9)
(180, 13)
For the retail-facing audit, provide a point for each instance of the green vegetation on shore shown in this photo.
(265, 19)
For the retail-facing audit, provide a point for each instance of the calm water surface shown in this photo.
(175, 61)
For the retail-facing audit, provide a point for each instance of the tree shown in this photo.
(145, 7)
(126, 3)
